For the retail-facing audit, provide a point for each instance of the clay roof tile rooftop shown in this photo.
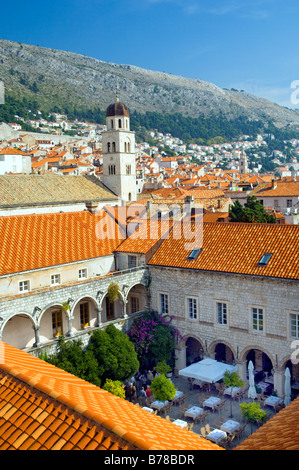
(68, 413)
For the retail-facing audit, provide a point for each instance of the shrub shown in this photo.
(162, 388)
(115, 387)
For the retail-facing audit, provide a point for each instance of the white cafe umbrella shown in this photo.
(251, 391)
(207, 370)
(287, 387)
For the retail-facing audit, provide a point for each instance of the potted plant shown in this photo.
(232, 379)
(115, 387)
(164, 369)
(162, 388)
(252, 412)
(113, 291)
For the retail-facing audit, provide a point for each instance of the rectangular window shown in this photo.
(194, 254)
(164, 304)
(83, 273)
(294, 325)
(192, 308)
(132, 261)
(128, 169)
(221, 313)
(134, 304)
(257, 319)
(55, 279)
(265, 259)
(24, 286)
(276, 203)
(84, 314)
(289, 202)
(57, 323)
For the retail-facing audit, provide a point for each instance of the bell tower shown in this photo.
(118, 150)
(243, 163)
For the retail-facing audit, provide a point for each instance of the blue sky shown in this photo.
(245, 44)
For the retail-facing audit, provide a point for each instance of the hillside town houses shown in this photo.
(78, 212)
(66, 215)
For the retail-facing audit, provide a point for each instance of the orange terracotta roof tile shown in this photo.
(285, 189)
(35, 241)
(104, 422)
(233, 248)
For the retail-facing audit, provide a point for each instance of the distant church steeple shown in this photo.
(243, 163)
(118, 150)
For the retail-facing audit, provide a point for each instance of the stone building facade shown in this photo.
(231, 335)
(26, 319)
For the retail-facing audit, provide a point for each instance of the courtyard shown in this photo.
(193, 396)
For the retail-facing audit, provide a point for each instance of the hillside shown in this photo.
(64, 78)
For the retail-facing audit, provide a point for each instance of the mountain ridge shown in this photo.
(53, 76)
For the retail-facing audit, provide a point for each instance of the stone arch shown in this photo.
(293, 368)
(246, 350)
(52, 322)
(19, 330)
(195, 349)
(263, 361)
(222, 351)
(135, 298)
(109, 312)
(84, 312)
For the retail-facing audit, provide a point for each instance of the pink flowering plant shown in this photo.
(154, 339)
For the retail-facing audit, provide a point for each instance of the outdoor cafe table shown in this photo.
(216, 435)
(148, 409)
(211, 402)
(263, 386)
(158, 405)
(273, 401)
(193, 412)
(232, 391)
(180, 422)
(178, 394)
(230, 426)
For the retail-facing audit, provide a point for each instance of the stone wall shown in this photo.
(277, 298)
(28, 310)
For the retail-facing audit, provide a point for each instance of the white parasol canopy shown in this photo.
(251, 391)
(287, 387)
(207, 370)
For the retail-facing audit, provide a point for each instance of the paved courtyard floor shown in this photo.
(196, 395)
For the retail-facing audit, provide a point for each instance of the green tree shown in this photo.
(162, 345)
(162, 388)
(115, 354)
(73, 359)
(115, 387)
(252, 212)
(232, 379)
(236, 211)
(163, 368)
(252, 412)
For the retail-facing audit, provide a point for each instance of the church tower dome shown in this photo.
(117, 109)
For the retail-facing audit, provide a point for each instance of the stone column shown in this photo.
(37, 343)
(99, 316)
(180, 357)
(242, 371)
(70, 326)
(125, 316)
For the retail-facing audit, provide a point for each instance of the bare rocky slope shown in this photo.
(61, 77)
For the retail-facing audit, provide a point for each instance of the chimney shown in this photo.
(92, 206)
